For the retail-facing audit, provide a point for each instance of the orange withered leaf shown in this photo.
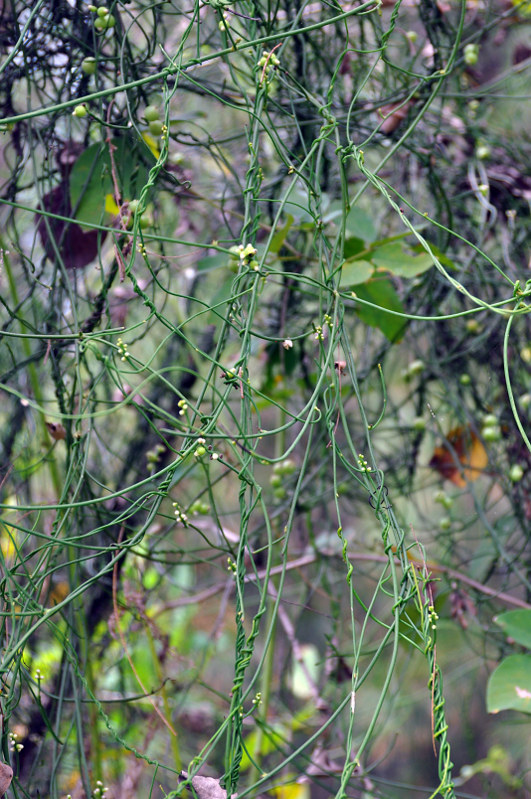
(462, 458)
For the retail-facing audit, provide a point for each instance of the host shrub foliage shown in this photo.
(265, 379)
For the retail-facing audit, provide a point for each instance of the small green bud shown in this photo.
(483, 152)
(419, 424)
(473, 326)
(416, 367)
(465, 380)
(445, 523)
(525, 354)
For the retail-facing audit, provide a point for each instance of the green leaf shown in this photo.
(91, 177)
(280, 235)
(394, 258)
(516, 624)
(445, 261)
(211, 262)
(360, 224)
(354, 272)
(353, 246)
(380, 292)
(509, 685)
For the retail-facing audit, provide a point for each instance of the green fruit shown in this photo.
(288, 466)
(89, 66)
(419, 424)
(471, 53)
(465, 380)
(102, 11)
(516, 473)
(445, 523)
(155, 127)
(491, 433)
(490, 420)
(133, 205)
(151, 113)
(79, 111)
(483, 152)
(104, 23)
(473, 326)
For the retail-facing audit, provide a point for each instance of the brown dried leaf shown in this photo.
(393, 115)
(462, 449)
(56, 430)
(76, 247)
(6, 775)
(205, 787)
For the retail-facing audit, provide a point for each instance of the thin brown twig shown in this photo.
(306, 560)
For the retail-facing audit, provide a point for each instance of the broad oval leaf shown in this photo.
(381, 294)
(355, 272)
(360, 224)
(91, 177)
(394, 258)
(509, 685)
(516, 624)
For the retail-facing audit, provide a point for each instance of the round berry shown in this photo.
(491, 433)
(79, 111)
(471, 53)
(89, 66)
(155, 127)
(151, 113)
(516, 473)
